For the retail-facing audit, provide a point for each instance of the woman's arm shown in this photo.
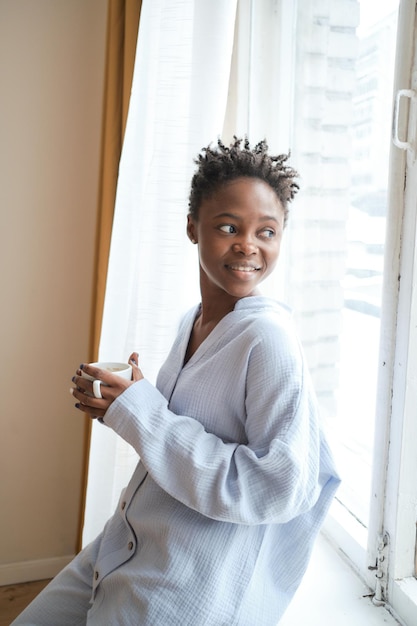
(272, 478)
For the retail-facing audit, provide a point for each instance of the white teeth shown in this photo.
(243, 268)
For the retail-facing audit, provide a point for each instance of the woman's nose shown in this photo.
(245, 246)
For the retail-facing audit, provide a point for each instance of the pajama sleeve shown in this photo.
(271, 478)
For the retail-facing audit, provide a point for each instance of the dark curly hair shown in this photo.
(219, 165)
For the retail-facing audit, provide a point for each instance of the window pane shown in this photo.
(342, 130)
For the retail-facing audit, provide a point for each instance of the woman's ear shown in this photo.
(191, 229)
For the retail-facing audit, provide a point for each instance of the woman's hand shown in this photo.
(113, 386)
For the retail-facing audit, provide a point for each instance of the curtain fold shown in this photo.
(178, 104)
(122, 32)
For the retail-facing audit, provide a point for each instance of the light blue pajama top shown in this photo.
(218, 521)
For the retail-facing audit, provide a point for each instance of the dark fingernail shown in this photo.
(82, 366)
(77, 406)
(73, 379)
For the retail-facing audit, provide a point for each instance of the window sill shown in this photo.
(332, 593)
(403, 594)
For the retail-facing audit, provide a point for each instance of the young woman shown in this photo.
(218, 521)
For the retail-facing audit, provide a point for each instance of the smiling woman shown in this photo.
(233, 457)
(238, 210)
(326, 83)
(238, 231)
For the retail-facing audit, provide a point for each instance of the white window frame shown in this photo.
(389, 545)
(399, 510)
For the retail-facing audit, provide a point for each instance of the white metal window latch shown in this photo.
(404, 145)
(381, 570)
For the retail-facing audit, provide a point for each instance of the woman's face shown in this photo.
(239, 231)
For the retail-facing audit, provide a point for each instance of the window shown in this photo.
(351, 235)
(351, 245)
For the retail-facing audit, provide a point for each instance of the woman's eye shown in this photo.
(268, 233)
(227, 228)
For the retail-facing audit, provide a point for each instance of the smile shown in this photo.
(238, 267)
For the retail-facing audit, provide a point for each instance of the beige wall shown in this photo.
(51, 81)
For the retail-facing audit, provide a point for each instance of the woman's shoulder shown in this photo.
(263, 305)
(265, 315)
(269, 326)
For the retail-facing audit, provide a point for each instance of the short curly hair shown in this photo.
(219, 165)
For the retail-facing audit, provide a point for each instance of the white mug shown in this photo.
(120, 369)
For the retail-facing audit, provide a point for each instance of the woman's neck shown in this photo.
(211, 313)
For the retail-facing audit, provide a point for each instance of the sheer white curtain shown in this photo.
(178, 105)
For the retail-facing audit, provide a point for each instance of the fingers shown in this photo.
(106, 387)
(136, 372)
(134, 358)
(91, 382)
(94, 372)
(91, 388)
(94, 407)
(84, 385)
